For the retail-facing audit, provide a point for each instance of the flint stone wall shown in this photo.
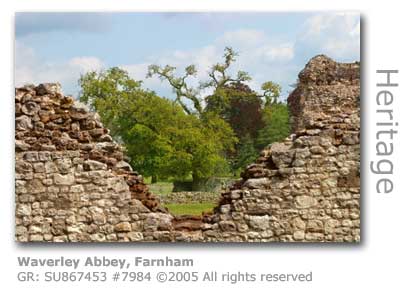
(72, 183)
(186, 197)
(306, 188)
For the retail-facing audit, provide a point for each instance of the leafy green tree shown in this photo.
(161, 139)
(271, 93)
(109, 92)
(240, 106)
(233, 100)
(276, 120)
(179, 85)
(246, 154)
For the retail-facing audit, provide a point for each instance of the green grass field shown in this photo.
(194, 209)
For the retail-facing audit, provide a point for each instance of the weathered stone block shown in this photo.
(63, 165)
(135, 236)
(259, 222)
(257, 183)
(98, 237)
(21, 230)
(123, 227)
(227, 226)
(299, 235)
(298, 224)
(77, 188)
(67, 179)
(94, 165)
(23, 210)
(305, 202)
(36, 238)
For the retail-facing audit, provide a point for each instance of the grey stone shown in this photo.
(227, 226)
(259, 222)
(94, 165)
(23, 123)
(123, 165)
(30, 108)
(257, 183)
(48, 88)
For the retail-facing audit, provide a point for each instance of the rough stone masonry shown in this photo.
(73, 185)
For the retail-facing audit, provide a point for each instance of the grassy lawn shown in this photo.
(194, 209)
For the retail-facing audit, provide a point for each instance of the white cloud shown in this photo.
(85, 64)
(283, 52)
(334, 34)
(137, 71)
(31, 69)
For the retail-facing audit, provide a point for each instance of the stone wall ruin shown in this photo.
(71, 181)
(73, 185)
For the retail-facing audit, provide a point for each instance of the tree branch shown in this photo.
(179, 85)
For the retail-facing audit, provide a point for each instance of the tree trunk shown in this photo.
(198, 184)
(154, 179)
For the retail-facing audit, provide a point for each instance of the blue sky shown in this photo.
(59, 47)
